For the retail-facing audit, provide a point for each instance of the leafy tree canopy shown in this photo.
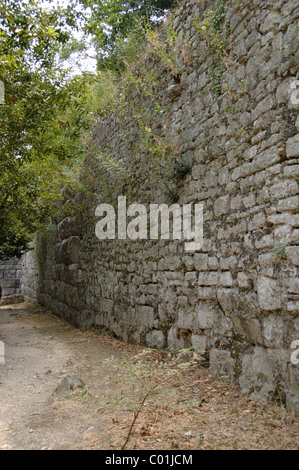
(47, 112)
(111, 22)
(41, 120)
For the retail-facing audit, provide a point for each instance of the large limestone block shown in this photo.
(269, 293)
(68, 251)
(257, 378)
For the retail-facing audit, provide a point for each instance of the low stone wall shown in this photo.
(10, 277)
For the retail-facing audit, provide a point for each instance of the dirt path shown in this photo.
(40, 351)
(191, 411)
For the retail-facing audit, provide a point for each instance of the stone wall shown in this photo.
(10, 276)
(237, 301)
(30, 286)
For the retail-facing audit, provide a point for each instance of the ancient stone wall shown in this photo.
(10, 276)
(232, 128)
(30, 286)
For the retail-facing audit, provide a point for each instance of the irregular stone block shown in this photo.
(257, 221)
(221, 205)
(293, 286)
(225, 279)
(228, 263)
(293, 307)
(201, 261)
(175, 341)
(185, 319)
(145, 316)
(243, 280)
(257, 378)
(199, 343)
(213, 263)
(292, 395)
(292, 253)
(275, 332)
(208, 279)
(155, 339)
(268, 293)
(68, 251)
(265, 242)
(222, 364)
(69, 385)
(293, 147)
(174, 91)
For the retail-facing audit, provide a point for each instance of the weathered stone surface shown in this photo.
(292, 253)
(222, 364)
(10, 277)
(221, 205)
(284, 90)
(268, 293)
(155, 339)
(293, 286)
(201, 261)
(199, 343)
(69, 385)
(257, 378)
(292, 395)
(243, 280)
(275, 332)
(145, 315)
(174, 91)
(68, 250)
(293, 147)
(176, 341)
(257, 221)
(237, 154)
